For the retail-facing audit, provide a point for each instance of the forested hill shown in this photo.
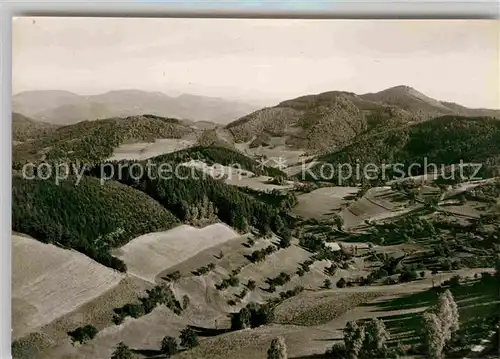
(25, 128)
(328, 121)
(94, 218)
(443, 140)
(89, 217)
(94, 141)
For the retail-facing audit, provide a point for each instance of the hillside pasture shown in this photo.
(49, 282)
(149, 254)
(323, 202)
(378, 203)
(237, 177)
(144, 150)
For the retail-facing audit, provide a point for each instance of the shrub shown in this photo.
(211, 266)
(185, 301)
(175, 276)
(83, 334)
(341, 283)
(286, 240)
(251, 284)
(169, 346)
(122, 351)
(327, 284)
(291, 293)
(189, 339)
(233, 281)
(408, 276)
(281, 279)
(277, 350)
(134, 310)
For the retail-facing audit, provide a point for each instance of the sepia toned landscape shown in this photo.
(210, 189)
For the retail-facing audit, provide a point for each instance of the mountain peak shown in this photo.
(405, 88)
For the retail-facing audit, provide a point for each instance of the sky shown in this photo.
(264, 61)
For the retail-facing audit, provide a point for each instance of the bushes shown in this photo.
(122, 351)
(260, 255)
(251, 284)
(189, 339)
(253, 315)
(312, 242)
(341, 283)
(158, 295)
(327, 284)
(232, 281)
(281, 279)
(174, 276)
(408, 276)
(83, 334)
(204, 269)
(169, 346)
(291, 293)
(185, 301)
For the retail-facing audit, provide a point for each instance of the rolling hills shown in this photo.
(63, 107)
(298, 260)
(93, 141)
(331, 120)
(442, 141)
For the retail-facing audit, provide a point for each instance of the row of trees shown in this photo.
(158, 295)
(168, 347)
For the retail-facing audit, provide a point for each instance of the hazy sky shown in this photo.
(452, 60)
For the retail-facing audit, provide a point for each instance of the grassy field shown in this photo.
(148, 255)
(323, 202)
(49, 282)
(145, 150)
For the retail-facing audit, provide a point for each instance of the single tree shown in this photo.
(189, 339)
(185, 301)
(455, 317)
(339, 221)
(327, 284)
(286, 239)
(122, 351)
(444, 312)
(376, 336)
(83, 334)
(277, 350)
(433, 335)
(251, 284)
(169, 346)
(341, 283)
(354, 336)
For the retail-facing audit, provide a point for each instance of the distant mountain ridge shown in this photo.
(328, 121)
(64, 107)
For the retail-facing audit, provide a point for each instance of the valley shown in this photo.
(238, 248)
